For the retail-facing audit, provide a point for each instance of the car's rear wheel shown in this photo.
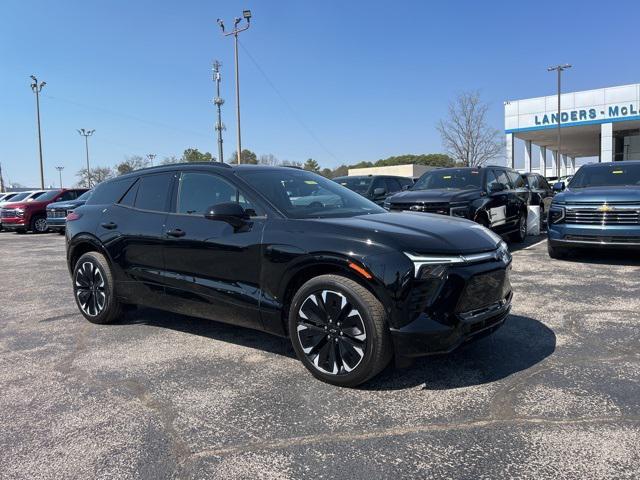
(557, 253)
(338, 330)
(93, 289)
(39, 224)
(521, 234)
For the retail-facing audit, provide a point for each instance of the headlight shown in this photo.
(556, 214)
(459, 210)
(20, 212)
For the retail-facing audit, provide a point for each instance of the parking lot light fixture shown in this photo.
(246, 14)
(559, 69)
(36, 87)
(86, 134)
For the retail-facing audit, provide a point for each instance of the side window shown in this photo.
(110, 192)
(130, 197)
(501, 176)
(198, 191)
(516, 179)
(378, 183)
(153, 192)
(393, 185)
(66, 196)
(542, 183)
(491, 180)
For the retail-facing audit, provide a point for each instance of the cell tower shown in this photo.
(218, 101)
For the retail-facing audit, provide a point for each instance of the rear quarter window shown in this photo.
(110, 192)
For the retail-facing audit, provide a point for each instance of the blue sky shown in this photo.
(367, 79)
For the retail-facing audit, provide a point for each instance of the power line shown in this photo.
(288, 105)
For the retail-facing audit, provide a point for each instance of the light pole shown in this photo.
(36, 87)
(218, 101)
(559, 69)
(246, 14)
(86, 134)
(60, 174)
(151, 157)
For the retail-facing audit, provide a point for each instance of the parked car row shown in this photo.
(29, 211)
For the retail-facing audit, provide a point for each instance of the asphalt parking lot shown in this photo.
(554, 394)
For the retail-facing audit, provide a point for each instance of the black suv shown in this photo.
(375, 187)
(351, 284)
(495, 197)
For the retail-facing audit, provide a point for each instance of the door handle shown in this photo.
(109, 225)
(176, 233)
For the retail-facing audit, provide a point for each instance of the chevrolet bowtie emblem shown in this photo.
(605, 208)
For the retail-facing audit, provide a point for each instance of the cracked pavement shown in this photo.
(553, 394)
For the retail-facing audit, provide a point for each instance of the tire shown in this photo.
(557, 253)
(93, 289)
(339, 355)
(521, 234)
(39, 224)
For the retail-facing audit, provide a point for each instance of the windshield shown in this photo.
(85, 196)
(450, 178)
(301, 194)
(357, 184)
(46, 196)
(20, 196)
(607, 176)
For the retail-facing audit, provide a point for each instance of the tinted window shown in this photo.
(490, 180)
(68, 195)
(451, 178)
(110, 192)
(532, 180)
(153, 192)
(621, 174)
(85, 196)
(393, 185)
(542, 183)
(199, 191)
(405, 181)
(47, 196)
(35, 195)
(357, 184)
(516, 179)
(338, 201)
(20, 196)
(501, 176)
(130, 197)
(378, 183)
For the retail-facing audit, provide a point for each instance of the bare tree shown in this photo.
(134, 162)
(268, 159)
(98, 175)
(466, 135)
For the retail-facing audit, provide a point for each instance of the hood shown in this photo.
(66, 205)
(418, 232)
(600, 195)
(434, 196)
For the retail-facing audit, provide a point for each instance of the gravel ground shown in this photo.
(553, 394)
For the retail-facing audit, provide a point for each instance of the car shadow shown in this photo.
(223, 332)
(520, 344)
(528, 242)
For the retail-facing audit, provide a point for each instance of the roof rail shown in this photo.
(293, 166)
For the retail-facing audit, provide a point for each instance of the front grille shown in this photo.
(56, 214)
(441, 208)
(8, 213)
(484, 289)
(617, 215)
(603, 239)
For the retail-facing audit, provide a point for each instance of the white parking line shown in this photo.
(531, 246)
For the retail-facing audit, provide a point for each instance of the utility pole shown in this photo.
(559, 69)
(246, 14)
(151, 157)
(86, 134)
(218, 101)
(60, 174)
(1, 180)
(36, 87)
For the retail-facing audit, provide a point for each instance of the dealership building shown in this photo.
(602, 124)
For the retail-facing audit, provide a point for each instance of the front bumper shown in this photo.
(594, 236)
(425, 336)
(14, 223)
(56, 223)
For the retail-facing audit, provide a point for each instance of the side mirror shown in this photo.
(378, 192)
(497, 187)
(229, 212)
(558, 187)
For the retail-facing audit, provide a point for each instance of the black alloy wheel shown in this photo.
(338, 330)
(93, 289)
(521, 234)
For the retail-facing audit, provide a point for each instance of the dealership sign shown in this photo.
(609, 112)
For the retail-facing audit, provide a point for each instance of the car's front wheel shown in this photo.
(338, 330)
(93, 289)
(521, 234)
(39, 224)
